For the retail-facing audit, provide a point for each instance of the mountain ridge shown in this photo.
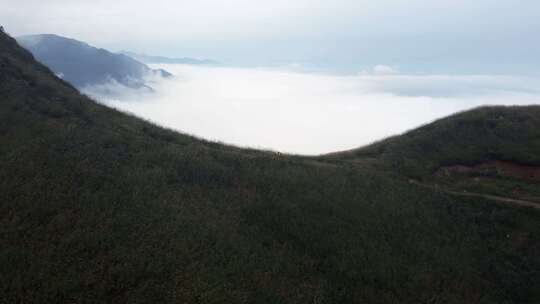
(99, 206)
(168, 60)
(86, 66)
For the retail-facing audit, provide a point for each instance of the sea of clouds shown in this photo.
(290, 111)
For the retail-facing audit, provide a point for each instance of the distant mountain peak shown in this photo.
(85, 66)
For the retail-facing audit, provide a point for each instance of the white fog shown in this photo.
(290, 111)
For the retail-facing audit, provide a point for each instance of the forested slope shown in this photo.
(97, 206)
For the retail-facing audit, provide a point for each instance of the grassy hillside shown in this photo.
(492, 150)
(100, 207)
(487, 133)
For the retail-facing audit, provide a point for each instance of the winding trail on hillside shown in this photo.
(499, 199)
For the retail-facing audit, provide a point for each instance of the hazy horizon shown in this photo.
(345, 36)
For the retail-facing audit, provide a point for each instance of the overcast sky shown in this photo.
(442, 36)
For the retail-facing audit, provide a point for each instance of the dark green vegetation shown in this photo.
(100, 207)
(83, 65)
(502, 133)
(482, 150)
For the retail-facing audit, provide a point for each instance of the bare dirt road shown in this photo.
(498, 199)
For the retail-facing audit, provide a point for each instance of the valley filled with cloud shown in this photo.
(308, 113)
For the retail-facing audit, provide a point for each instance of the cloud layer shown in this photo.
(305, 113)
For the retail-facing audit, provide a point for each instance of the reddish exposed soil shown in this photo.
(504, 168)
